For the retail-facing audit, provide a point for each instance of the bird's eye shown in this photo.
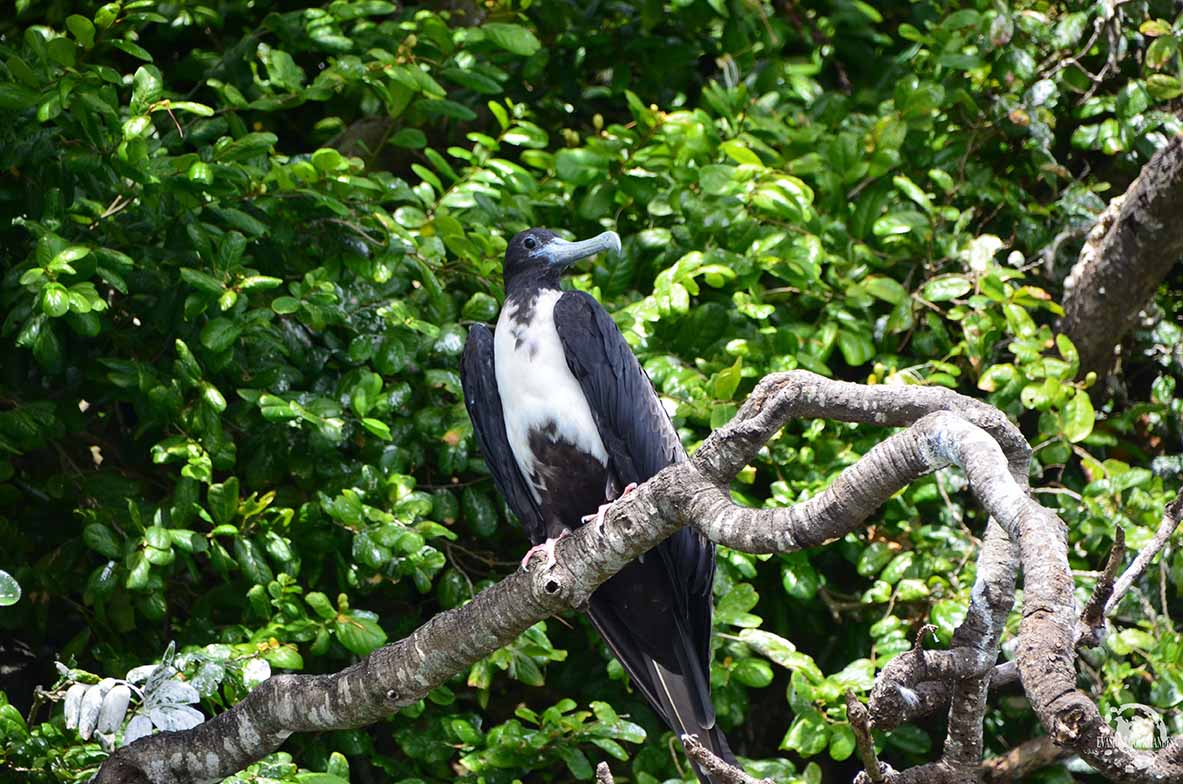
(530, 243)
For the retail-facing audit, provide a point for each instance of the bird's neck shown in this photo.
(527, 284)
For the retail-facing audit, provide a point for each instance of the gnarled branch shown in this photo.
(943, 428)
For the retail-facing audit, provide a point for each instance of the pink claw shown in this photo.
(598, 517)
(547, 549)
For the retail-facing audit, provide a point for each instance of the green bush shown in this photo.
(242, 242)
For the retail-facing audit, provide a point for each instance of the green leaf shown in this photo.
(147, 88)
(479, 512)
(580, 166)
(377, 427)
(726, 381)
(100, 538)
(207, 284)
(512, 38)
(412, 138)
(16, 97)
(798, 576)
(772, 646)
(1068, 31)
(576, 762)
(739, 153)
(808, 734)
(10, 589)
(135, 50)
(55, 300)
(321, 605)
(856, 347)
(62, 51)
(842, 741)
(311, 777)
(219, 334)
(285, 305)
(1079, 417)
(359, 635)
(873, 558)
(755, 673)
(285, 656)
(82, 29)
(886, 289)
(900, 223)
(1155, 27)
(1163, 87)
(946, 288)
(732, 608)
(222, 500)
(252, 560)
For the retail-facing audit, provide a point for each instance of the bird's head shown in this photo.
(542, 254)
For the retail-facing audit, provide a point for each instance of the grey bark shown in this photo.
(943, 428)
(1126, 255)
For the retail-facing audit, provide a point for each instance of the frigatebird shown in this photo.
(568, 422)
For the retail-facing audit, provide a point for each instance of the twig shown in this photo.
(1093, 615)
(1162, 590)
(719, 770)
(603, 774)
(1171, 517)
(1023, 760)
(860, 723)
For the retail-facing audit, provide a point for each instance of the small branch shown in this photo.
(718, 770)
(1171, 517)
(1023, 760)
(1092, 618)
(860, 723)
(603, 774)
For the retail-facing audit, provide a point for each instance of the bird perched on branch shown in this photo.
(568, 422)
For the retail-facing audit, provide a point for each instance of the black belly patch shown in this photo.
(571, 481)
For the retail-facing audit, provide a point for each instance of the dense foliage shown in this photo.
(241, 243)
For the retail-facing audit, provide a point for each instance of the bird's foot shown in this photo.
(547, 549)
(598, 517)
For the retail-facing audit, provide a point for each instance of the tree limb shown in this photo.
(1127, 254)
(945, 428)
(718, 769)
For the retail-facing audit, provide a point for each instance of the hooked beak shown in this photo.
(561, 253)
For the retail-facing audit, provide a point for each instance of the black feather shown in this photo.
(656, 613)
(478, 379)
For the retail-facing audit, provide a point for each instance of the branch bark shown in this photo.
(943, 429)
(1126, 255)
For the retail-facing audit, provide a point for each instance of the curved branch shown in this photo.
(946, 428)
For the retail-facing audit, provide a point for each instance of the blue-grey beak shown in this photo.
(561, 253)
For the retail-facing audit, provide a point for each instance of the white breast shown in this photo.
(537, 387)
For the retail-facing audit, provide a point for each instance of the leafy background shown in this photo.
(242, 242)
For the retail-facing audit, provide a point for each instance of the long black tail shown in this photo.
(681, 696)
(680, 703)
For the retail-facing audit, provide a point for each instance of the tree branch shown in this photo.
(1171, 517)
(1128, 252)
(719, 770)
(946, 428)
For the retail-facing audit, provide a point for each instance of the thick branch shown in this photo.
(695, 493)
(1125, 258)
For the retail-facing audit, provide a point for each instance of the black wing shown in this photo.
(478, 378)
(640, 441)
